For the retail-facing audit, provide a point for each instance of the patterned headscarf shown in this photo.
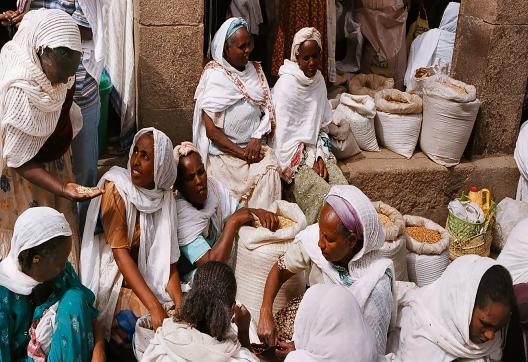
(300, 37)
(234, 26)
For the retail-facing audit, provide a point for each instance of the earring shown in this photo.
(36, 259)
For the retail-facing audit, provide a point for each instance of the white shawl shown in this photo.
(217, 91)
(157, 220)
(521, 158)
(33, 227)
(217, 209)
(29, 105)
(179, 342)
(435, 323)
(514, 256)
(367, 267)
(301, 109)
(329, 326)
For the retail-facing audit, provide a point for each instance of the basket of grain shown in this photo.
(428, 246)
(258, 249)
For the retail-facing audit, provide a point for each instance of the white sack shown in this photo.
(509, 213)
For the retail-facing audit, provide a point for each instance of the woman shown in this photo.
(233, 117)
(302, 111)
(36, 70)
(521, 159)
(203, 331)
(342, 249)
(131, 267)
(41, 293)
(208, 216)
(514, 255)
(329, 326)
(460, 315)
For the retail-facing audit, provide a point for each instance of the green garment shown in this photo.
(73, 336)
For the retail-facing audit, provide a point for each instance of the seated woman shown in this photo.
(208, 216)
(462, 314)
(302, 111)
(36, 70)
(329, 326)
(342, 249)
(233, 117)
(203, 331)
(131, 267)
(41, 293)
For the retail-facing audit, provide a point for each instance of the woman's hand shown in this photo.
(252, 152)
(266, 330)
(157, 314)
(242, 318)
(15, 17)
(74, 192)
(267, 219)
(284, 349)
(320, 168)
(98, 355)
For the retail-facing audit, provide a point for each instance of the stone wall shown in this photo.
(491, 52)
(169, 41)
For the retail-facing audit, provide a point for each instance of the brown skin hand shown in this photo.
(487, 321)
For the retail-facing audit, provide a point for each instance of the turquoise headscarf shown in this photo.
(234, 26)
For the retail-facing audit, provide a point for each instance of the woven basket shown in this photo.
(463, 231)
(479, 245)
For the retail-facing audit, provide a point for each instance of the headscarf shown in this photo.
(521, 158)
(221, 86)
(234, 26)
(29, 105)
(514, 255)
(34, 227)
(435, 325)
(329, 326)
(367, 267)
(182, 150)
(300, 37)
(157, 220)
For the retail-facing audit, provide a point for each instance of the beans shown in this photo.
(284, 223)
(423, 234)
(385, 220)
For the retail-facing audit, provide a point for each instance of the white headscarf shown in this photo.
(514, 255)
(33, 227)
(34, 104)
(521, 158)
(301, 104)
(217, 91)
(217, 208)
(367, 267)
(157, 220)
(329, 326)
(442, 311)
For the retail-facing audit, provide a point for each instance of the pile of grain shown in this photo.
(422, 73)
(385, 220)
(423, 234)
(284, 223)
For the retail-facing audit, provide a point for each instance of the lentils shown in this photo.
(385, 220)
(284, 223)
(423, 234)
(83, 190)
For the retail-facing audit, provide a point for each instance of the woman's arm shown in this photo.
(174, 287)
(135, 280)
(34, 173)
(266, 327)
(98, 354)
(220, 140)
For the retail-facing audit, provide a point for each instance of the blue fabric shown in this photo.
(234, 26)
(127, 322)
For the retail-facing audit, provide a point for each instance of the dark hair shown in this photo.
(208, 305)
(496, 285)
(59, 53)
(47, 250)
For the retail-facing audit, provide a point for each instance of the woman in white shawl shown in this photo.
(462, 314)
(521, 158)
(131, 266)
(329, 326)
(302, 112)
(341, 249)
(203, 330)
(36, 71)
(234, 117)
(208, 216)
(514, 255)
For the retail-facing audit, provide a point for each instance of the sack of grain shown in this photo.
(450, 108)
(257, 250)
(358, 112)
(428, 246)
(344, 143)
(368, 84)
(420, 77)
(398, 120)
(392, 220)
(396, 250)
(509, 213)
(144, 333)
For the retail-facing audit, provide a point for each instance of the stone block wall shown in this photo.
(491, 52)
(169, 41)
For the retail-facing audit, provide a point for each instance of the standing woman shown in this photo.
(234, 118)
(302, 111)
(36, 71)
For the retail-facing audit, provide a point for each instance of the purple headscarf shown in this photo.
(347, 214)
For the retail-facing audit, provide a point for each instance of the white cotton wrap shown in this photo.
(29, 105)
(521, 158)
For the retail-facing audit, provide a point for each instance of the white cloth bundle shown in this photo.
(29, 104)
(466, 210)
(33, 227)
(521, 158)
(514, 256)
